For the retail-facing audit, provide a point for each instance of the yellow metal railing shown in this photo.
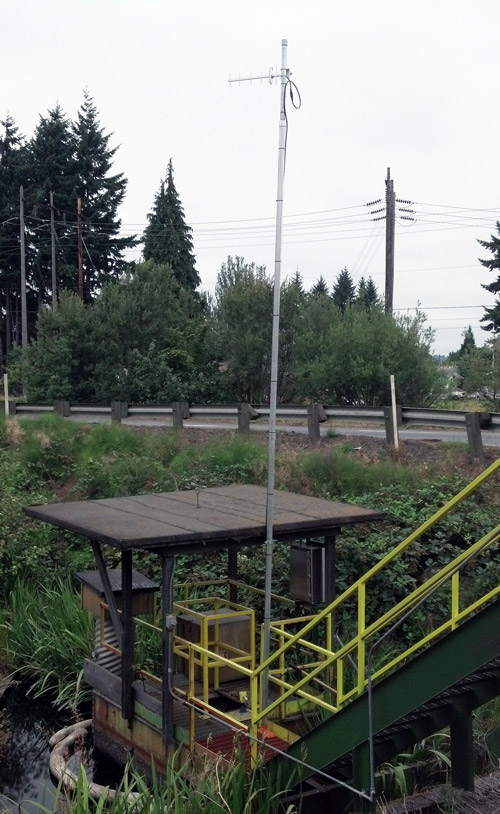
(309, 667)
(323, 669)
(185, 590)
(218, 620)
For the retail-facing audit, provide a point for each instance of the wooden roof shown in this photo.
(217, 517)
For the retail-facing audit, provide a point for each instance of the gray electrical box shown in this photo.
(307, 573)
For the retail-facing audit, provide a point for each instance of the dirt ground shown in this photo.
(485, 799)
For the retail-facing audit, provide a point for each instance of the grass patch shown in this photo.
(48, 635)
(207, 788)
(338, 472)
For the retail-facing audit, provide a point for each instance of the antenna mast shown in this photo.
(273, 391)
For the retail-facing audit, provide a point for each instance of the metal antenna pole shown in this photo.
(273, 391)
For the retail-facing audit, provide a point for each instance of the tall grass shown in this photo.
(46, 636)
(337, 472)
(209, 788)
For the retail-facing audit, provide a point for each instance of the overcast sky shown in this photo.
(396, 83)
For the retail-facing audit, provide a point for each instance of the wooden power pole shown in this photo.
(390, 223)
(53, 250)
(80, 252)
(24, 309)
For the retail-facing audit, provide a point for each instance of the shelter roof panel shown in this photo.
(215, 516)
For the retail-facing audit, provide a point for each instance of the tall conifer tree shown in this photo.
(12, 164)
(491, 316)
(167, 238)
(101, 194)
(52, 169)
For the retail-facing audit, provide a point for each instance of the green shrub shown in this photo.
(47, 446)
(119, 475)
(102, 440)
(221, 460)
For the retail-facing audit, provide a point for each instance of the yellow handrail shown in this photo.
(275, 665)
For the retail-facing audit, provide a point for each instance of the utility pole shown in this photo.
(284, 75)
(80, 252)
(390, 224)
(24, 310)
(53, 248)
(389, 216)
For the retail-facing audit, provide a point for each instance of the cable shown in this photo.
(289, 85)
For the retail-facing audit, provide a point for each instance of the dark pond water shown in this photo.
(26, 724)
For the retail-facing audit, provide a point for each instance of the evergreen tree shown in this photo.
(320, 288)
(52, 168)
(167, 238)
(101, 193)
(367, 296)
(491, 316)
(469, 343)
(12, 164)
(344, 290)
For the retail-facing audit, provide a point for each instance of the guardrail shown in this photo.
(240, 416)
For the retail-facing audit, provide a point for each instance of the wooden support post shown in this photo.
(168, 626)
(315, 415)
(462, 752)
(128, 639)
(62, 407)
(473, 427)
(246, 414)
(180, 411)
(119, 410)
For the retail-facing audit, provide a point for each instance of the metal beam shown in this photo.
(108, 592)
(167, 624)
(128, 639)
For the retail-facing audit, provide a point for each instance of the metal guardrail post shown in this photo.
(315, 415)
(119, 410)
(62, 407)
(473, 427)
(180, 411)
(389, 423)
(246, 414)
